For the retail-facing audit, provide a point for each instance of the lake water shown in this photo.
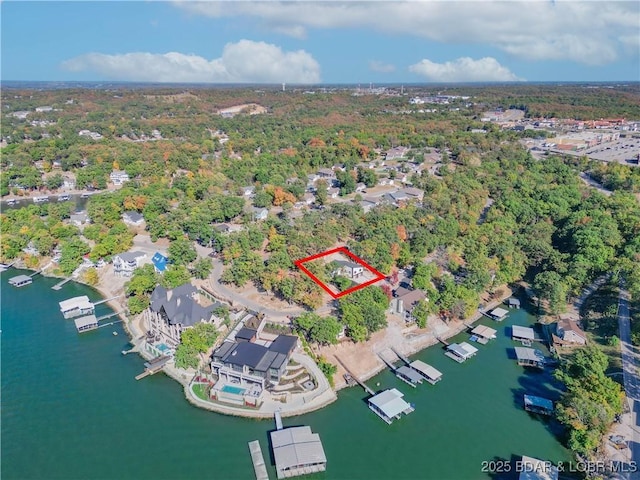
(71, 409)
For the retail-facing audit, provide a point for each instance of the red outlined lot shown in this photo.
(343, 250)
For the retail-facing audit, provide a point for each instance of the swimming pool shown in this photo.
(232, 389)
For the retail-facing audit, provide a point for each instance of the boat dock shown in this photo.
(362, 384)
(257, 458)
(20, 280)
(59, 285)
(404, 373)
(424, 370)
(153, 366)
(278, 419)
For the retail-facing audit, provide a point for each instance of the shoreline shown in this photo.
(452, 331)
(184, 377)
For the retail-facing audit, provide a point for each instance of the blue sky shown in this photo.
(329, 42)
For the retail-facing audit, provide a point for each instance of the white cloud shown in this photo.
(381, 67)
(588, 32)
(244, 61)
(464, 69)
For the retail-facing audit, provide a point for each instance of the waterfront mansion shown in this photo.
(173, 311)
(245, 362)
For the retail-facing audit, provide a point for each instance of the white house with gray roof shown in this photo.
(125, 263)
(132, 218)
(173, 311)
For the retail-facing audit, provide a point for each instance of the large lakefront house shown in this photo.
(173, 311)
(244, 362)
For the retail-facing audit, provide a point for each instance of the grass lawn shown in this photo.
(600, 320)
(201, 390)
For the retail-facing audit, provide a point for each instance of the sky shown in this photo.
(299, 42)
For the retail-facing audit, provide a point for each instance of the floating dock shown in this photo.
(153, 366)
(404, 373)
(426, 371)
(389, 405)
(21, 281)
(76, 306)
(460, 351)
(429, 373)
(86, 323)
(59, 285)
(257, 458)
(540, 405)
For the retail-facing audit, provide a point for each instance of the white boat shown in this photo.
(12, 201)
(40, 199)
(64, 198)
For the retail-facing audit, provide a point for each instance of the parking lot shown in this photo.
(625, 150)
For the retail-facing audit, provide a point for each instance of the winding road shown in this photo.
(238, 299)
(631, 380)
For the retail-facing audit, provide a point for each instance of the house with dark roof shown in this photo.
(159, 262)
(171, 312)
(247, 363)
(125, 263)
(405, 300)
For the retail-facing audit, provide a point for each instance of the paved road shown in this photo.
(631, 380)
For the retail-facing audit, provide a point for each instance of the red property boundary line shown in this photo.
(300, 264)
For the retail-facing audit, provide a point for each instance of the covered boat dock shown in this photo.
(86, 323)
(20, 280)
(432, 375)
(76, 306)
(408, 375)
(540, 405)
(526, 335)
(460, 351)
(498, 314)
(389, 405)
(483, 334)
(529, 357)
(297, 451)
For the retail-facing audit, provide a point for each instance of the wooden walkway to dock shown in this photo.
(442, 341)
(401, 356)
(362, 384)
(35, 273)
(257, 458)
(106, 300)
(59, 285)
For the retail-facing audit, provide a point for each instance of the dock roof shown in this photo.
(410, 373)
(19, 279)
(499, 312)
(522, 332)
(534, 469)
(484, 331)
(85, 321)
(295, 447)
(426, 369)
(390, 402)
(532, 400)
(82, 302)
(529, 354)
(463, 349)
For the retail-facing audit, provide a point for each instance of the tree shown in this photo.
(549, 286)
(202, 268)
(422, 274)
(174, 276)
(143, 281)
(321, 192)
(421, 313)
(182, 252)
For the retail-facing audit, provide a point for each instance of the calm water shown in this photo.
(72, 409)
